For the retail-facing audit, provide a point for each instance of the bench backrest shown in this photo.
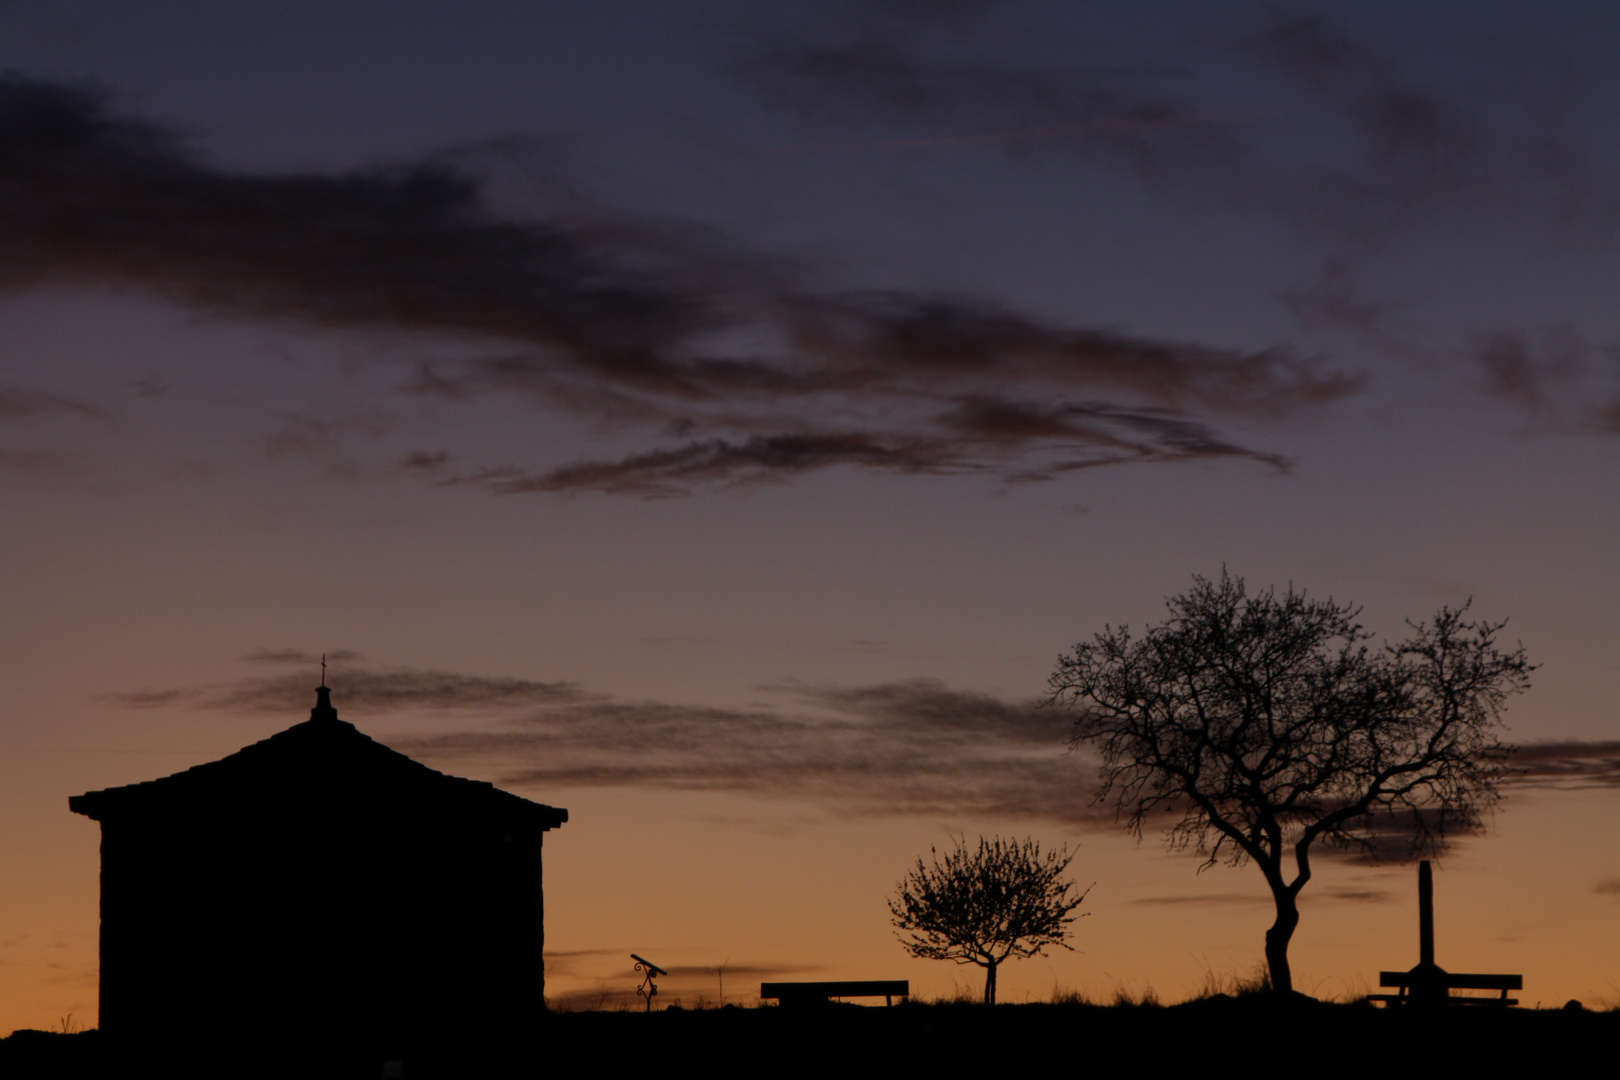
(1453, 980)
(888, 988)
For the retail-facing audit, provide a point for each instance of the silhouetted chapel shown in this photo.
(319, 879)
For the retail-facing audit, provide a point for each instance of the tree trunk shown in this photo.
(1277, 938)
(990, 983)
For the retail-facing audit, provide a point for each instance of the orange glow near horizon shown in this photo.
(794, 893)
(718, 421)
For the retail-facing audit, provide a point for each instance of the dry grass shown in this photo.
(960, 994)
(1062, 995)
(1231, 984)
(1146, 998)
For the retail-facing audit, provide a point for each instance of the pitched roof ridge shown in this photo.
(312, 748)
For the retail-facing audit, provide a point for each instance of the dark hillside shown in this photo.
(1221, 1036)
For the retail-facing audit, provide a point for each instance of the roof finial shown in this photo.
(323, 709)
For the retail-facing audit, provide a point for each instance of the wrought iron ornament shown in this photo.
(648, 989)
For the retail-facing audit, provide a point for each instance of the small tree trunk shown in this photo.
(1277, 938)
(990, 983)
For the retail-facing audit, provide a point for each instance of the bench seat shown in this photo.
(1412, 983)
(801, 993)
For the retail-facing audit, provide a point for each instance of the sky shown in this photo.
(716, 419)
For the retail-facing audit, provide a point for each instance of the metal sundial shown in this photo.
(648, 989)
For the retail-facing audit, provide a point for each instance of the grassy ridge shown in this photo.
(1248, 1036)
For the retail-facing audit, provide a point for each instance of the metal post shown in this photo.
(1425, 914)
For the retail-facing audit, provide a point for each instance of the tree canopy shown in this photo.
(984, 905)
(1257, 726)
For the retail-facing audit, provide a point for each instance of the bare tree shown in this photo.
(981, 906)
(1260, 725)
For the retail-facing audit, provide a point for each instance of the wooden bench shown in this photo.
(1431, 984)
(819, 993)
(1436, 985)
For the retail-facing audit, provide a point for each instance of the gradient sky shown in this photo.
(716, 418)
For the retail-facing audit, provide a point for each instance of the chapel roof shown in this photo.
(321, 755)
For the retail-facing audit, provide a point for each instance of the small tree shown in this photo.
(982, 906)
(1263, 724)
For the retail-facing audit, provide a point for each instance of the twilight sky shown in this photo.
(715, 418)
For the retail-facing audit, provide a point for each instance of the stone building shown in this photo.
(319, 883)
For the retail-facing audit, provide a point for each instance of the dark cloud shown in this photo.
(360, 691)
(1360, 896)
(1515, 372)
(1607, 887)
(152, 699)
(568, 962)
(653, 331)
(1502, 135)
(1403, 128)
(1553, 377)
(910, 748)
(27, 461)
(1018, 441)
(1365, 150)
(1566, 764)
(914, 748)
(22, 403)
(677, 641)
(1398, 837)
(324, 439)
(1335, 299)
(24, 410)
(118, 201)
(425, 461)
(860, 65)
(929, 707)
(936, 369)
(298, 656)
(676, 471)
(1386, 150)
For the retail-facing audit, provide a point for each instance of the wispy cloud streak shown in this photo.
(913, 748)
(916, 747)
(1389, 149)
(19, 403)
(1368, 149)
(720, 363)
(364, 691)
(1566, 763)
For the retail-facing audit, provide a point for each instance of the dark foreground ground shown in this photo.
(1216, 1037)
